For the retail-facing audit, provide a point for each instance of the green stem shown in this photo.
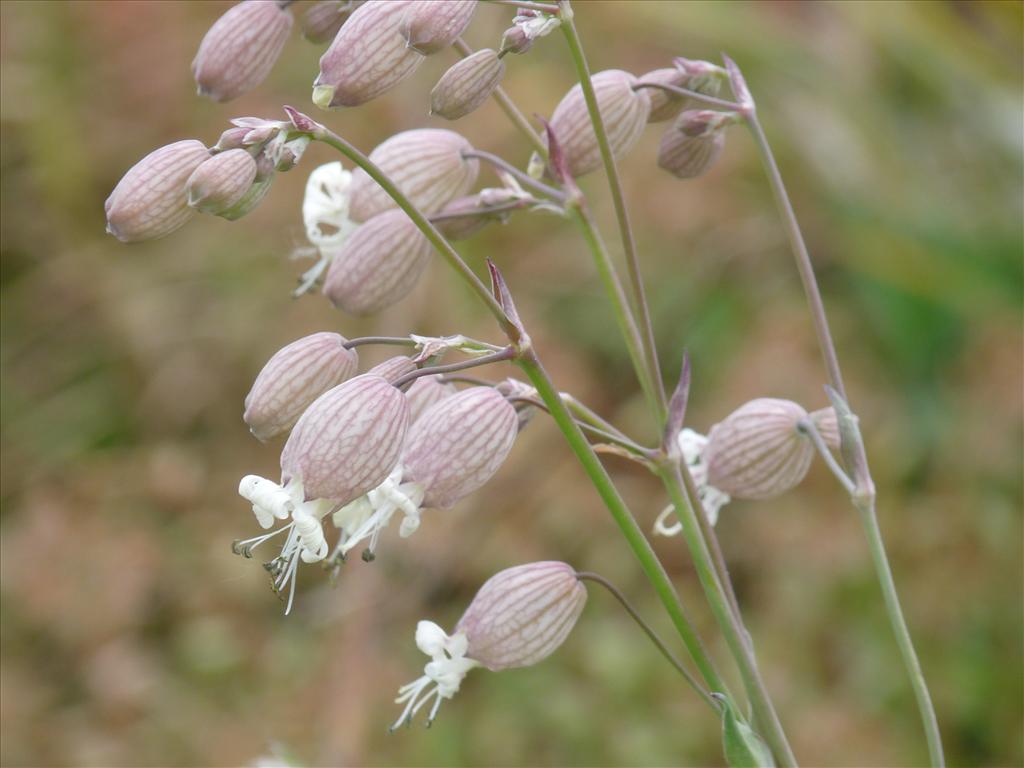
(609, 494)
(509, 107)
(659, 403)
(869, 518)
(579, 212)
(735, 635)
(422, 222)
(651, 634)
(854, 454)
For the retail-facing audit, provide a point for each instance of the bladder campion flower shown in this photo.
(518, 618)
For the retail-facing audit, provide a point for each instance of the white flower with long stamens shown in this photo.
(692, 445)
(518, 618)
(325, 213)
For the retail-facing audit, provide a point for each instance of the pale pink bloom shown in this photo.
(467, 84)
(221, 182)
(429, 26)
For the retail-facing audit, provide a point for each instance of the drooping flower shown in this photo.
(240, 49)
(429, 26)
(692, 446)
(293, 378)
(467, 84)
(454, 447)
(221, 182)
(518, 618)
(427, 164)
(151, 199)
(367, 57)
(323, 19)
(623, 110)
(345, 444)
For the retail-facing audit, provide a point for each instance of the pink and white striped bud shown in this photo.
(430, 26)
(515, 40)
(250, 200)
(758, 451)
(241, 48)
(151, 200)
(521, 615)
(348, 441)
(692, 145)
(367, 57)
(425, 392)
(664, 104)
(623, 110)
(294, 377)
(378, 265)
(426, 164)
(393, 369)
(467, 84)
(323, 19)
(221, 182)
(458, 444)
(827, 424)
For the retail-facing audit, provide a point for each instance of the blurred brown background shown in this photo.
(132, 636)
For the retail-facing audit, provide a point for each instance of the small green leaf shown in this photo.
(743, 747)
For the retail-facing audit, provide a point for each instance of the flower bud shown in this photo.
(323, 19)
(291, 152)
(293, 378)
(827, 424)
(427, 166)
(378, 264)
(221, 182)
(367, 57)
(692, 145)
(664, 104)
(393, 368)
(252, 198)
(515, 40)
(425, 392)
(623, 110)
(240, 49)
(459, 443)
(430, 26)
(757, 451)
(348, 441)
(467, 84)
(232, 138)
(151, 201)
(522, 615)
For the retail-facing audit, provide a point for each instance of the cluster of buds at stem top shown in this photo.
(162, 191)
(623, 110)
(322, 20)
(519, 617)
(467, 84)
(759, 450)
(453, 448)
(429, 26)
(694, 141)
(700, 76)
(293, 378)
(241, 48)
(427, 164)
(367, 57)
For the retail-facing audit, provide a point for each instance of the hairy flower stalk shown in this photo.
(518, 618)
(241, 48)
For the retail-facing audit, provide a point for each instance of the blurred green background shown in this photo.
(132, 636)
